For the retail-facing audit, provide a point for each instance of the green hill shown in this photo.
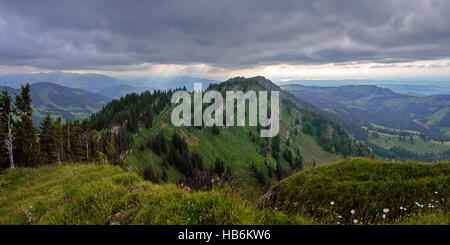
(58, 100)
(367, 104)
(395, 126)
(254, 162)
(89, 81)
(364, 190)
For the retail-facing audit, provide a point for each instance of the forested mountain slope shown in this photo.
(163, 152)
(396, 126)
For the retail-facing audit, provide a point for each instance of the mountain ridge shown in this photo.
(417, 88)
(372, 113)
(59, 100)
(103, 84)
(88, 81)
(305, 138)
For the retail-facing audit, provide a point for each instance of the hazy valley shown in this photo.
(395, 125)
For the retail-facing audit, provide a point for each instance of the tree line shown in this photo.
(332, 136)
(132, 111)
(55, 141)
(189, 164)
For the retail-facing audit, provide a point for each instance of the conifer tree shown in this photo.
(85, 138)
(67, 149)
(27, 149)
(7, 142)
(47, 140)
(59, 139)
(165, 178)
(299, 162)
(276, 147)
(279, 170)
(77, 142)
(111, 150)
(150, 174)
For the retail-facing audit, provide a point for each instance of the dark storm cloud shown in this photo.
(231, 34)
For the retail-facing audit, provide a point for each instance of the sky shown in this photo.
(281, 40)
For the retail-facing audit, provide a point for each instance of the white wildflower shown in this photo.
(352, 211)
(386, 210)
(384, 216)
(331, 203)
(355, 221)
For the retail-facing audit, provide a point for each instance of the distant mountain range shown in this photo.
(74, 95)
(419, 88)
(168, 82)
(117, 91)
(91, 81)
(58, 100)
(367, 105)
(381, 116)
(105, 85)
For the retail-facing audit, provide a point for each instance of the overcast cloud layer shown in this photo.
(113, 35)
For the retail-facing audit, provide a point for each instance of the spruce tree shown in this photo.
(279, 170)
(27, 149)
(276, 147)
(77, 141)
(7, 137)
(47, 140)
(165, 177)
(59, 140)
(85, 135)
(299, 162)
(67, 144)
(111, 152)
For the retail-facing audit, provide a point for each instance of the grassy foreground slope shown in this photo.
(104, 194)
(366, 191)
(413, 193)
